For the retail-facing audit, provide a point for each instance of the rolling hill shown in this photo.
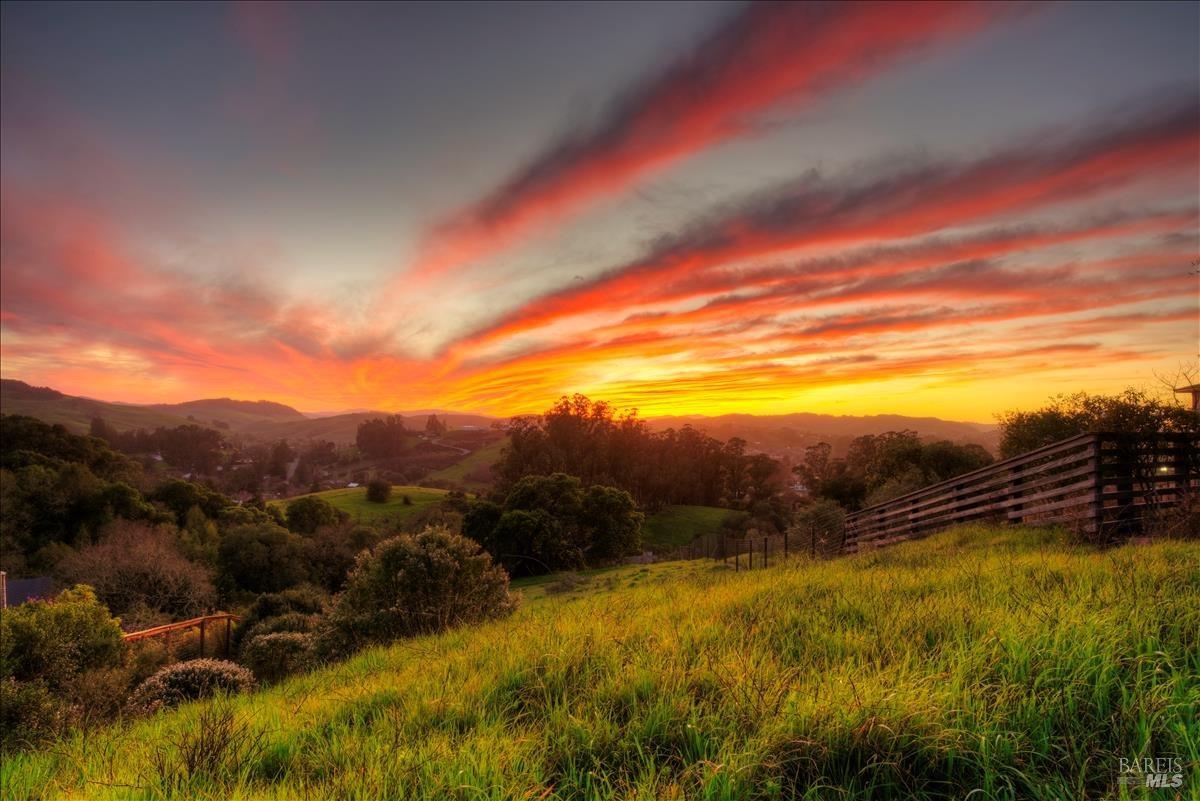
(980, 663)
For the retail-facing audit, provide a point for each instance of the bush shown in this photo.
(290, 622)
(379, 491)
(29, 713)
(54, 641)
(49, 651)
(413, 585)
(139, 567)
(188, 681)
(275, 656)
(306, 515)
(306, 601)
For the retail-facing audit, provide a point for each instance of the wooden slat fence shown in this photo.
(1106, 485)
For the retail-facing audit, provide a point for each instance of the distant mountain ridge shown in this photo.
(227, 406)
(268, 420)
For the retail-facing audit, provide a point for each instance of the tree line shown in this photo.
(587, 439)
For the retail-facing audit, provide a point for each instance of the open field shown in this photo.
(678, 525)
(980, 659)
(353, 501)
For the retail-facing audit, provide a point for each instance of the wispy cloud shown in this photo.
(767, 54)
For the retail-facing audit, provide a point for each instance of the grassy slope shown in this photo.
(354, 502)
(483, 457)
(679, 525)
(974, 659)
(77, 413)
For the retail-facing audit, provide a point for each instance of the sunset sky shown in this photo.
(927, 209)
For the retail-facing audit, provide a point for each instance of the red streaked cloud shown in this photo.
(769, 53)
(899, 204)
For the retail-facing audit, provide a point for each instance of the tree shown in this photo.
(281, 457)
(308, 513)
(1130, 412)
(379, 491)
(412, 585)
(262, 558)
(381, 438)
(614, 521)
(550, 523)
(139, 572)
(191, 447)
(434, 427)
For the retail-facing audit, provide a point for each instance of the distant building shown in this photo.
(18, 591)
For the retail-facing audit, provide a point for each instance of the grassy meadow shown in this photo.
(353, 501)
(982, 663)
(463, 472)
(674, 526)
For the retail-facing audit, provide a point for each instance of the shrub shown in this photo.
(54, 641)
(188, 681)
(304, 600)
(412, 585)
(306, 515)
(275, 656)
(29, 713)
(49, 652)
(136, 566)
(290, 622)
(379, 491)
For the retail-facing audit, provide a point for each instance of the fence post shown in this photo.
(202, 622)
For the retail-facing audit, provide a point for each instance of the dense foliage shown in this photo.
(1130, 412)
(414, 584)
(379, 491)
(307, 514)
(276, 655)
(879, 467)
(140, 574)
(49, 652)
(584, 438)
(549, 523)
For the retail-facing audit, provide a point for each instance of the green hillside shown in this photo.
(678, 525)
(353, 501)
(469, 471)
(981, 663)
(77, 413)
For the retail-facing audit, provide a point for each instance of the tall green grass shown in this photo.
(674, 526)
(980, 663)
